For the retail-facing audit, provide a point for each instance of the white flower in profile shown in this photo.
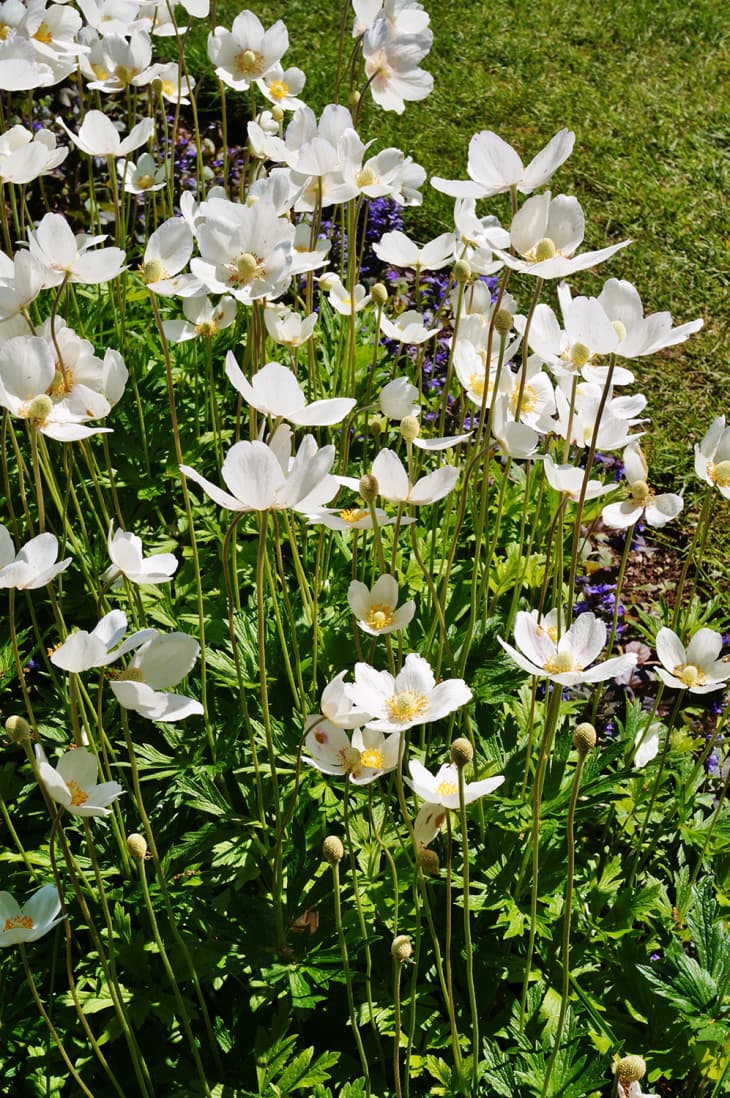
(376, 609)
(168, 251)
(337, 706)
(565, 660)
(398, 250)
(363, 758)
(341, 300)
(640, 335)
(657, 510)
(579, 418)
(569, 479)
(174, 87)
(275, 391)
(202, 318)
(408, 327)
(546, 232)
(125, 553)
(264, 477)
(28, 923)
(73, 782)
(391, 66)
(21, 280)
(98, 136)
(34, 565)
(698, 667)
(442, 788)
(588, 334)
(712, 457)
(393, 483)
(495, 167)
(143, 177)
(352, 518)
(246, 52)
(66, 257)
(398, 399)
(646, 744)
(84, 650)
(25, 156)
(123, 61)
(288, 328)
(411, 697)
(159, 664)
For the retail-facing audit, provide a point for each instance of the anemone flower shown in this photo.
(73, 782)
(363, 758)
(412, 697)
(698, 667)
(36, 918)
(376, 609)
(566, 660)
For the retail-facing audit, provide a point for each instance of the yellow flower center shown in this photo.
(560, 663)
(170, 88)
(350, 758)
(4, 28)
(78, 795)
(279, 89)
(38, 409)
(15, 921)
(130, 674)
(99, 71)
(248, 63)
(125, 74)
(620, 329)
(373, 759)
(352, 514)
(641, 492)
(406, 706)
(689, 674)
(43, 34)
(365, 177)
(579, 355)
(528, 402)
(248, 267)
(206, 328)
(145, 181)
(153, 271)
(446, 789)
(380, 616)
(544, 249)
(719, 474)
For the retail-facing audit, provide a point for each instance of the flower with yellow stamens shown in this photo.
(376, 609)
(396, 703)
(73, 783)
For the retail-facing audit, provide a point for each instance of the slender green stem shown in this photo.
(348, 977)
(467, 933)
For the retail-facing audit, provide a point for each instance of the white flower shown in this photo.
(67, 258)
(125, 553)
(375, 608)
(340, 298)
(288, 328)
(495, 167)
(398, 250)
(168, 250)
(82, 650)
(160, 663)
(697, 667)
(398, 399)
(353, 518)
(411, 698)
(246, 52)
(275, 391)
(282, 86)
(408, 327)
(569, 479)
(712, 457)
(263, 477)
(246, 251)
(36, 918)
(203, 318)
(639, 334)
(566, 660)
(657, 510)
(546, 233)
(394, 486)
(142, 177)
(391, 66)
(25, 156)
(363, 759)
(73, 782)
(337, 707)
(442, 788)
(98, 136)
(34, 565)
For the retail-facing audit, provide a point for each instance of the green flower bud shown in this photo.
(369, 488)
(137, 846)
(503, 321)
(379, 293)
(462, 271)
(410, 428)
(332, 850)
(462, 752)
(584, 738)
(401, 949)
(18, 729)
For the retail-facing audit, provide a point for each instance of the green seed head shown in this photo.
(402, 949)
(410, 428)
(584, 738)
(17, 729)
(544, 249)
(462, 752)
(332, 850)
(137, 846)
(630, 1069)
(369, 488)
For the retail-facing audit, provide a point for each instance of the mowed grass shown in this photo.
(645, 84)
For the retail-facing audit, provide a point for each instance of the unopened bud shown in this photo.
(17, 729)
(630, 1069)
(410, 428)
(354, 99)
(137, 845)
(584, 738)
(378, 425)
(462, 752)
(368, 488)
(503, 321)
(277, 114)
(379, 293)
(332, 850)
(401, 949)
(428, 860)
(462, 271)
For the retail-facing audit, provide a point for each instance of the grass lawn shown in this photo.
(646, 87)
